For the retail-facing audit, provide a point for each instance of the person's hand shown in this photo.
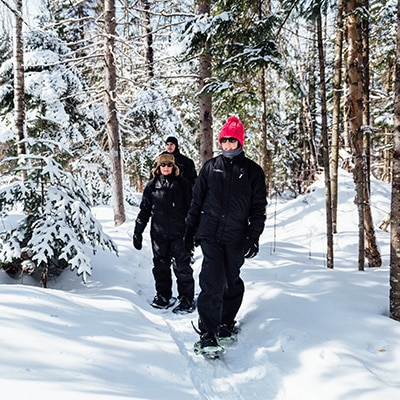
(188, 239)
(250, 247)
(137, 241)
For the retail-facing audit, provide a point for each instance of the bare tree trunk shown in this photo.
(205, 100)
(310, 112)
(266, 158)
(387, 157)
(19, 82)
(337, 94)
(366, 105)
(112, 127)
(149, 40)
(346, 125)
(371, 249)
(149, 59)
(324, 133)
(354, 114)
(266, 155)
(355, 118)
(395, 205)
(307, 116)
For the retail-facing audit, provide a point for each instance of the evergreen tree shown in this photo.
(56, 222)
(56, 226)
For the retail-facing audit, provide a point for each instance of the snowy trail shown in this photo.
(289, 292)
(228, 378)
(306, 332)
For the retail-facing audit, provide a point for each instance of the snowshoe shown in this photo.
(185, 306)
(162, 303)
(208, 346)
(228, 333)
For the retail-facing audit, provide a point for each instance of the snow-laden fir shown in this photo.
(306, 332)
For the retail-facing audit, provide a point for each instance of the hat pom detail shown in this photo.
(232, 119)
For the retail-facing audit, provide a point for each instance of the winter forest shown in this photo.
(89, 90)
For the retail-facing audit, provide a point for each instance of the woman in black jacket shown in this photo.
(227, 217)
(166, 200)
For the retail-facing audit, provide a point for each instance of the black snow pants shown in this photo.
(165, 253)
(222, 289)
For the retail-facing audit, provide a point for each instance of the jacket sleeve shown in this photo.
(198, 195)
(191, 172)
(146, 206)
(187, 192)
(257, 214)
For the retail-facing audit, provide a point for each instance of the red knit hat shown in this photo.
(233, 128)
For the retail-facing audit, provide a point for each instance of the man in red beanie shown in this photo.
(227, 217)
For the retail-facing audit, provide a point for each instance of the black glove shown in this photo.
(137, 241)
(250, 247)
(188, 239)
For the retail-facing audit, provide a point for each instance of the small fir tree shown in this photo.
(56, 228)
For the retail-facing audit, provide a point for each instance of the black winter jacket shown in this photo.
(229, 200)
(166, 200)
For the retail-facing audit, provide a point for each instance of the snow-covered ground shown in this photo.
(306, 332)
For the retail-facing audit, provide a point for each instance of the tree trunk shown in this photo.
(266, 158)
(307, 116)
(324, 133)
(337, 94)
(112, 127)
(395, 204)
(205, 100)
(354, 108)
(311, 113)
(366, 106)
(19, 82)
(387, 157)
(354, 113)
(371, 249)
(262, 8)
(149, 40)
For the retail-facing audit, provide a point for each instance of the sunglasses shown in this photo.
(228, 139)
(169, 165)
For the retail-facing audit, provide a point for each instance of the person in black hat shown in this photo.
(185, 164)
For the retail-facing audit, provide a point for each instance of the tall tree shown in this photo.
(310, 108)
(366, 94)
(337, 95)
(354, 113)
(205, 98)
(265, 7)
(395, 202)
(371, 250)
(354, 107)
(149, 39)
(325, 143)
(110, 109)
(19, 85)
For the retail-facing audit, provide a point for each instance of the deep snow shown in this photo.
(306, 332)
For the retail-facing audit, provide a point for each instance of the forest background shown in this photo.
(89, 90)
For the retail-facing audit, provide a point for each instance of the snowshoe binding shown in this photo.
(228, 332)
(208, 346)
(185, 306)
(162, 303)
